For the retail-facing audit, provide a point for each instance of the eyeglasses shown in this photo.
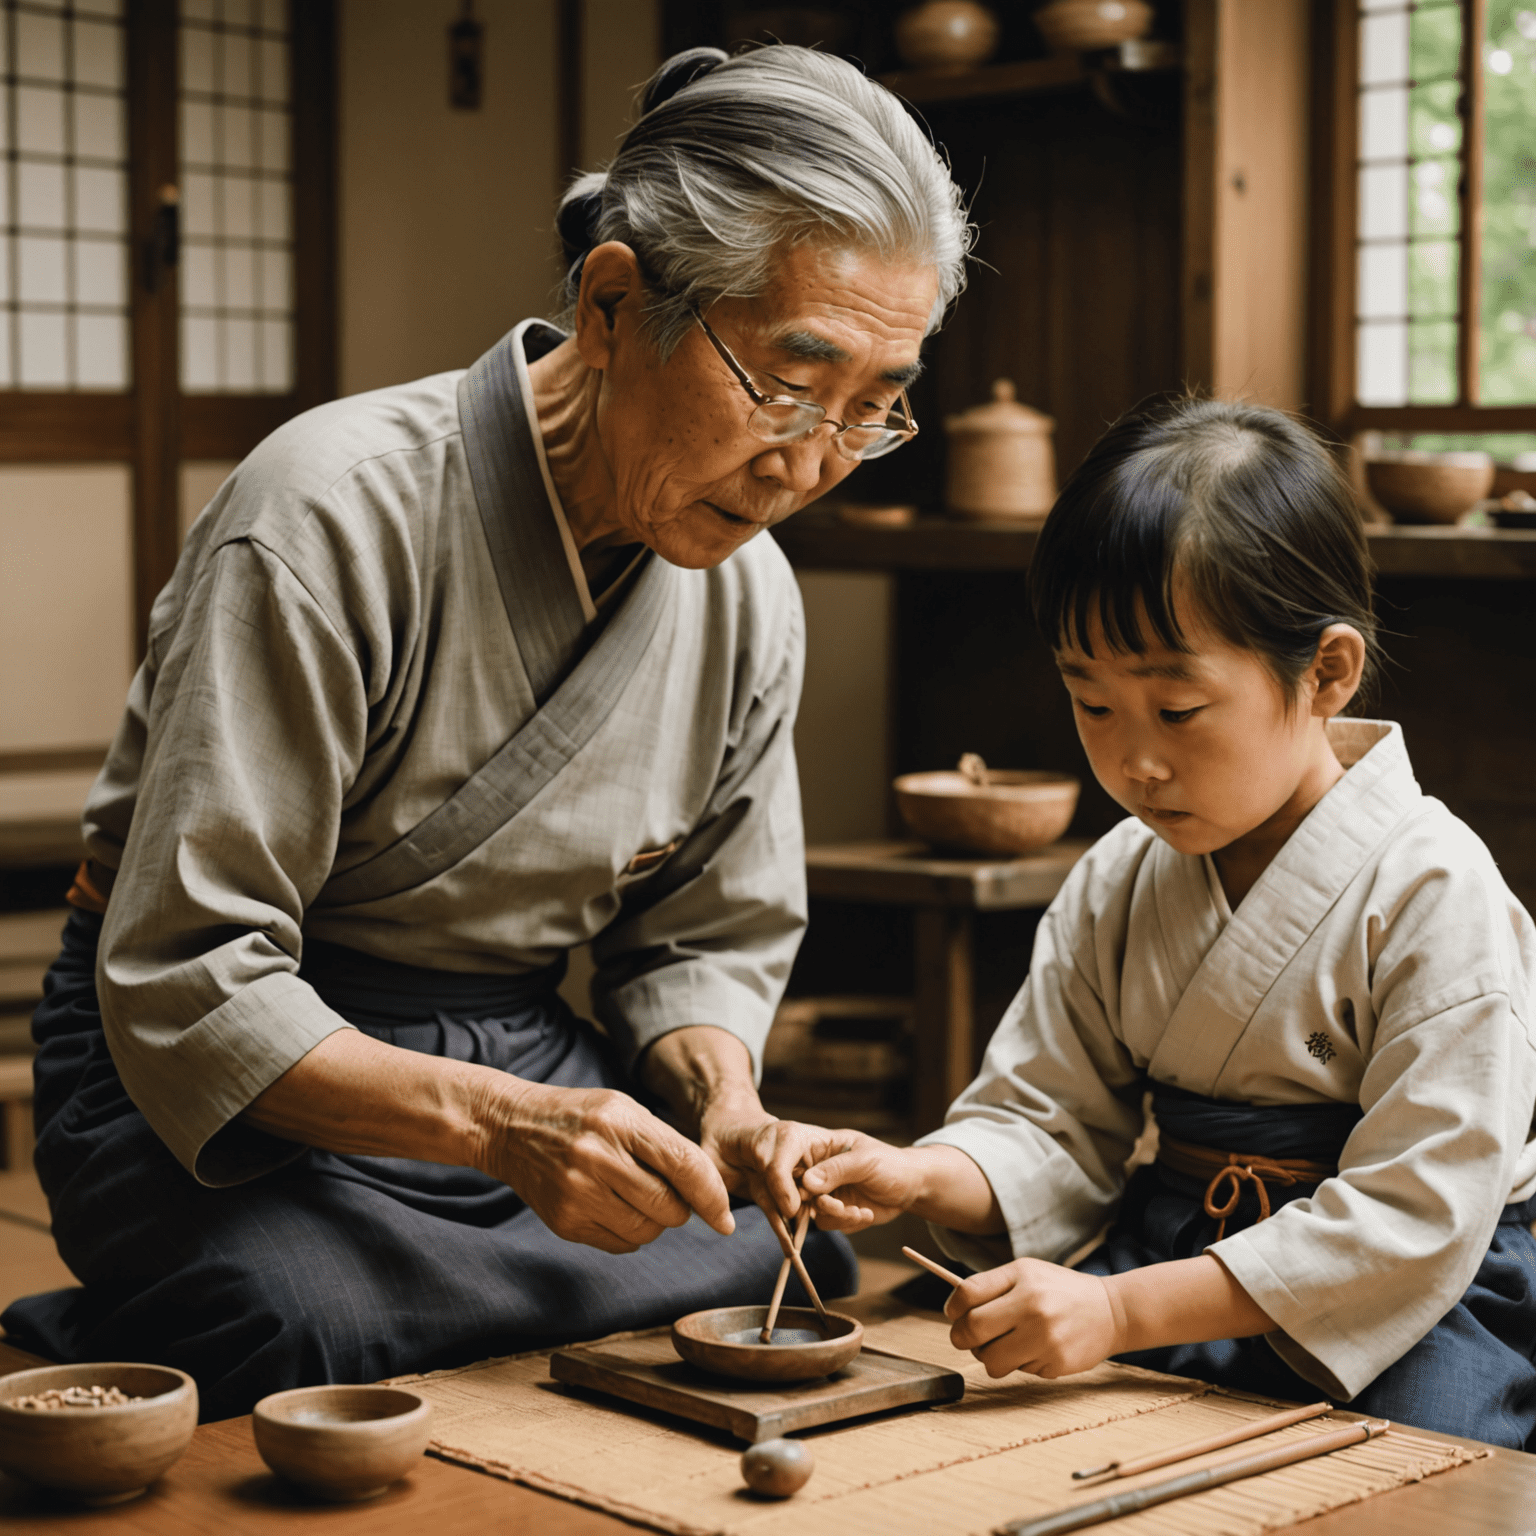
(779, 419)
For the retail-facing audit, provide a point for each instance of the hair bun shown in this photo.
(680, 70)
(577, 218)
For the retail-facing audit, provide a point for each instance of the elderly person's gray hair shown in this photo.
(731, 158)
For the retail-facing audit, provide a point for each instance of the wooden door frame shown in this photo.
(151, 426)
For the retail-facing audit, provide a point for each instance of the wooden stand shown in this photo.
(646, 1370)
(944, 894)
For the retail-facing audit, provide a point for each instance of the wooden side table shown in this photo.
(944, 895)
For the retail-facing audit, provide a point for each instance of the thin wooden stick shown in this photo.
(931, 1267)
(778, 1285)
(781, 1232)
(1190, 1448)
(1229, 1470)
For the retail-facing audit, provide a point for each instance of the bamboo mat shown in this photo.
(1005, 1450)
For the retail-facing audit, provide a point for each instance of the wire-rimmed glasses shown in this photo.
(780, 419)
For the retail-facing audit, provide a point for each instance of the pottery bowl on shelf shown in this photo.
(1008, 811)
(946, 35)
(1080, 26)
(725, 1342)
(1429, 487)
(97, 1455)
(342, 1443)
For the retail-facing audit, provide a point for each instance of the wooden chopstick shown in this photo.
(781, 1232)
(1229, 1470)
(766, 1335)
(1191, 1448)
(931, 1267)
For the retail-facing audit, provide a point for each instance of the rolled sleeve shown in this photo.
(255, 729)
(1056, 1109)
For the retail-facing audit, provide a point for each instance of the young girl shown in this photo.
(1314, 966)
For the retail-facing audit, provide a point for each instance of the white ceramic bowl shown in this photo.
(97, 1455)
(342, 1443)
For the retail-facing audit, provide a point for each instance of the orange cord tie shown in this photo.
(1231, 1170)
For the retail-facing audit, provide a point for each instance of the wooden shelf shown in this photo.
(1059, 72)
(913, 875)
(821, 541)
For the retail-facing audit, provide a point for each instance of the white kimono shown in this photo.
(1380, 960)
(380, 708)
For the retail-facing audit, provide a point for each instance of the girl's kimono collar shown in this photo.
(1272, 922)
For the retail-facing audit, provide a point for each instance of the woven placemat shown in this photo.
(1006, 1450)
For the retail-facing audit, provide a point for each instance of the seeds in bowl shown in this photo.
(75, 1397)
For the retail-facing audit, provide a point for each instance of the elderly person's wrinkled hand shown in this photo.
(597, 1167)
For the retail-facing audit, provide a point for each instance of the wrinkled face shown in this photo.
(840, 328)
(1200, 746)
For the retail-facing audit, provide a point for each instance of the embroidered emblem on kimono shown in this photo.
(1319, 1045)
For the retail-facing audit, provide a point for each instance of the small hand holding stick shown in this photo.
(778, 1288)
(931, 1267)
(791, 1253)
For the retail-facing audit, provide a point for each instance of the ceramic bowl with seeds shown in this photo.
(83, 1442)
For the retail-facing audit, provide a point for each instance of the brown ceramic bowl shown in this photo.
(1430, 487)
(1015, 811)
(1070, 26)
(342, 1443)
(97, 1455)
(724, 1341)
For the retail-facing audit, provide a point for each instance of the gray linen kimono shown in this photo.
(385, 763)
(379, 709)
(1379, 961)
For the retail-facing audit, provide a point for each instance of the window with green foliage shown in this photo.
(1444, 192)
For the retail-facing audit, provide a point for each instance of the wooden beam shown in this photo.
(1202, 162)
(1474, 15)
(569, 104)
(152, 86)
(1331, 331)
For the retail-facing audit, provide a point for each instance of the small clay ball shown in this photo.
(778, 1468)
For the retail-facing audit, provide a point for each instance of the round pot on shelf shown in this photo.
(1418, 487)
(1080, 26)
(946, 35)
(1002, 462)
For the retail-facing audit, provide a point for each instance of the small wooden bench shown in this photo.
(943, 894)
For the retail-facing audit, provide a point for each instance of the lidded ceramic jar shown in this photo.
(1002, 461)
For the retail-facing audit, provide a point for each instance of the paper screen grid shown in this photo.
(237, 308)
(1409, 209)
(63, 196)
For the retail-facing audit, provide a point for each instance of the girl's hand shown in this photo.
(1036, 1317)
(860, 1182)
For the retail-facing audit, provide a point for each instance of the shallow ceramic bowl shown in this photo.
(97, 1455)
(342, 1443)
(725, 1342)
(1015, 811)
(1430, 487)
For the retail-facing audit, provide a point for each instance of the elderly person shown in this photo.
(450, 678)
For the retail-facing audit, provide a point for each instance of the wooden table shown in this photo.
(944, 895)
(221, 1487)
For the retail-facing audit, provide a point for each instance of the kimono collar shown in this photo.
(1288, 901)
(537, 566)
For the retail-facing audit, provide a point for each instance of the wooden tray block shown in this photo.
(646, 1371)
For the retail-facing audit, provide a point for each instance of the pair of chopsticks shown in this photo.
(791, 1258)
(1228, 1470)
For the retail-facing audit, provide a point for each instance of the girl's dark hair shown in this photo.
(1241, 502)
